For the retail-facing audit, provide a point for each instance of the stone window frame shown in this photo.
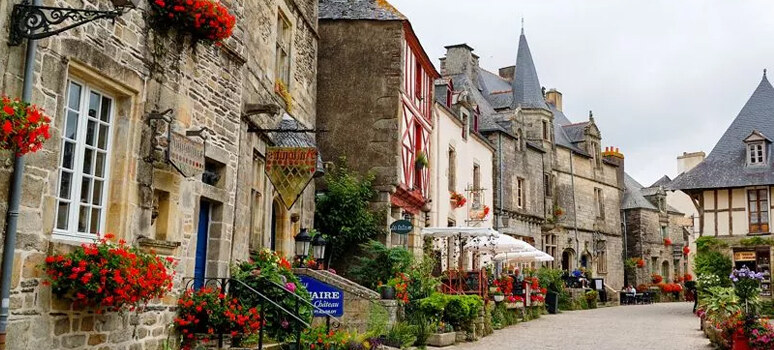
(126, 116)
(546, 135)
(550, 247)
(599, 200)
(520, 193)
(465, 116)
(602, 262)
(519, 140)
(283, 22)
(71, 231)
(258, 195)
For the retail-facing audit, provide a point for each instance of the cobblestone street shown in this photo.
(666, 326)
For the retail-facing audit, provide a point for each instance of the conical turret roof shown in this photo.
(527, 91)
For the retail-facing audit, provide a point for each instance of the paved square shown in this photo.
(665, 326)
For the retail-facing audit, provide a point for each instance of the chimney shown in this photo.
(614, 156)
(554, 97)
(507, 72)
(459, 59)
(443, 66)
(687, 161)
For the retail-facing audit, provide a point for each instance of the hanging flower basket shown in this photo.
(667, 242)
(24, 126)
(205, 20)
(686, 251)
(641, 263)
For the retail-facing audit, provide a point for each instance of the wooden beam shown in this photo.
(715, 198)
(730, 216)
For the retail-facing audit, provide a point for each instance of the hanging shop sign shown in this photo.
(290, 169)
(401, 227)
(186, 155)
(744, 256)
(327, 299)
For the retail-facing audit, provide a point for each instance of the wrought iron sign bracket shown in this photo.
(167, 118)
(201, 133)
(37, 22)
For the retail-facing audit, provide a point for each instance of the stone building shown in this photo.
(100, 82)
(461, 163)
(649, 221)
(375, 99)
(553, 185)
(732, 187)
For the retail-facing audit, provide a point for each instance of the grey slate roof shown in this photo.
(293, 139)
(633, 197)
(576, 132)
(379, 10)
(560, 135)
(726, 166)
(635, 193)
(527, 91)
(664, 181)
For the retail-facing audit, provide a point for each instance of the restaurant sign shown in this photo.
(401, 227)
(290, 169)
(744, 256)
(186, 155)
(326, 299)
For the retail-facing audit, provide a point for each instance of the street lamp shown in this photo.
(318, 247)
(33, 21)
(303, 239)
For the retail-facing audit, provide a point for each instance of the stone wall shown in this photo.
(145, 71)
(359, 302)
(643, 230)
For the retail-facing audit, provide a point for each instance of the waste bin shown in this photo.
(552, 302)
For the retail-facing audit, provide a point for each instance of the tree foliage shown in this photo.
(379, 264)
(343, 212)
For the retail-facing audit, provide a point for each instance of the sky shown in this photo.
(662, 77)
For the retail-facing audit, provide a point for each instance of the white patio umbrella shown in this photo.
(528, 256)
(498, 244)
(440, 232)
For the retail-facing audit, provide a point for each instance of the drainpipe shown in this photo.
(575, 211)
(500, 179)
(12, 215)
(625, 245)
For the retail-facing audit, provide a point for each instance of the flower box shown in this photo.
(515, 305)
(207, 20)
(442, 339)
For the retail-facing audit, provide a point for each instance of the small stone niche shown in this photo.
(214, 173)
(161, 215)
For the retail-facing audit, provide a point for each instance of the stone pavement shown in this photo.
(666, 326)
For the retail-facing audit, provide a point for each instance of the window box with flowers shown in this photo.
(514, 302)
(656, 278)
(205, 20)
(25, 127)
(109, 276)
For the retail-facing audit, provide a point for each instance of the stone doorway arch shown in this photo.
(568, 256)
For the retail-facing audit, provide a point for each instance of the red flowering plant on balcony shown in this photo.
(204, 19)
(457, 200)
(24, 126)
(208, 312)
(109, 276)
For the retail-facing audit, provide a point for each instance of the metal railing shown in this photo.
(226, 284)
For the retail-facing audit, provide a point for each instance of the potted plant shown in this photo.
(421, 161)
(387, 292)
(444, 335)
(498, 295)
(204, 20)
(457, 200)
(641, 263)
(667, 242)
(514, 301)
(656, 278)
(686, 251)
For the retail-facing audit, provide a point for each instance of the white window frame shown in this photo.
(72, 233)
(756, 153)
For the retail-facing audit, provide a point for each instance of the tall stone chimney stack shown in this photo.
(507, 72)
(688, 160)
(614, 155)
(459, 59)
(554, 97)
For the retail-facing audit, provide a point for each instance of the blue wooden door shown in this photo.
(201, 244)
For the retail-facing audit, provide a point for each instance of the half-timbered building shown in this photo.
(732, 187)
(375, 101)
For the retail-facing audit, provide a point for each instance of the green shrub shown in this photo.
(591, 299)
(713, 263)
(458, 310)
(565, 301)
(424, 327)
(551, 279)
(709, 243)
(379, 264)
(401, 335)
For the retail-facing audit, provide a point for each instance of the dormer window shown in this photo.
(757, 145)
(465, 124)
(756, 153)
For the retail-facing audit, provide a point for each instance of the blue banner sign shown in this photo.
(324, 297)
